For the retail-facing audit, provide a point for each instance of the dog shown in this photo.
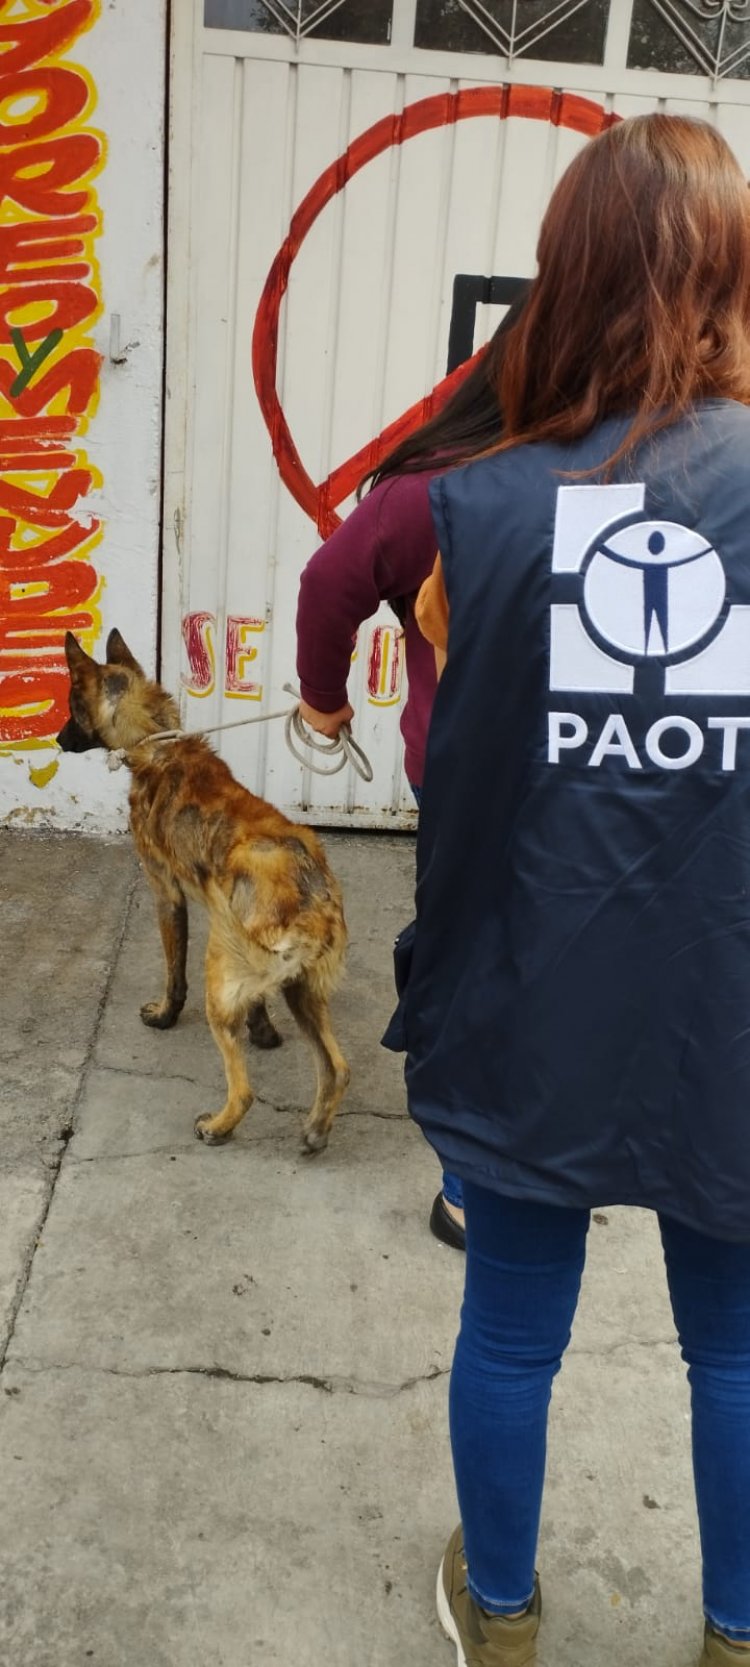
(276, 920)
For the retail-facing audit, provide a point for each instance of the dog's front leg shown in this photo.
(173, 926)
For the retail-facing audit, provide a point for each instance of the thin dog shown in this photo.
(276, 920)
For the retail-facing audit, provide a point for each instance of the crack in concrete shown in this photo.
(343, 1115)
(605, 1352)
(53, 1169)
(381, 1116)
(333, 1385)
(194, 1148)
(284, 1108)
(155, 1075)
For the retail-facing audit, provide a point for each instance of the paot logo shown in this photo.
(640, 592)
(652, 589)
(632, 593)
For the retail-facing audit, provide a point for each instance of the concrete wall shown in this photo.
(81, 341)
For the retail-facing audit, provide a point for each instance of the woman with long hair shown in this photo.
(382, 553)
(574, 1001)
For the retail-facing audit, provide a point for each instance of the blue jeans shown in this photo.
(452, 1188)
(523, 1274)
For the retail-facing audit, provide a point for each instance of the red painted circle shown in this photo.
(533, 103)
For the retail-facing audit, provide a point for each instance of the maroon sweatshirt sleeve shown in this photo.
(385, 548)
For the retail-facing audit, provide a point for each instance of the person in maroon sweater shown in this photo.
(385, 549)
(383, 552)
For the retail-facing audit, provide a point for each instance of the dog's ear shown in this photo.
(76, 656)
(118, 653)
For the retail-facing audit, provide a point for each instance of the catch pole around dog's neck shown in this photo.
(342, 747)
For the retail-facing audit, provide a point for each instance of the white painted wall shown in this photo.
(363, 325)
(125, 51)
(255, 120)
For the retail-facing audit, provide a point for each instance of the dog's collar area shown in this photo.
(118, 756)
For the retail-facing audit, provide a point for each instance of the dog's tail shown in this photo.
(300, 927)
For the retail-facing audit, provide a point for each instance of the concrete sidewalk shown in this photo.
(224, 1420)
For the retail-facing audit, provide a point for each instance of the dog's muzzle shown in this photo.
(74, 739)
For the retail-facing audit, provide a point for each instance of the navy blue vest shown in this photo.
(575, 994)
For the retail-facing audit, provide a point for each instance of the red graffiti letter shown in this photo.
(67, 159)
(25, 43)
(34, 241)
(384, 665)
(70, 304)
(77, 371)
(43, 550)
(47, 511)
(239, 654)
(30, 689)
(69, 584)
(197, 635)
(65, 97)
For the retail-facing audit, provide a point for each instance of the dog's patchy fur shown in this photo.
(275, 913)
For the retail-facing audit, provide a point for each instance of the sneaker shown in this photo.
(483, 1640)
(718, 1652)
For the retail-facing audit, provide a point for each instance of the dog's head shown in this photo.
(114, 705)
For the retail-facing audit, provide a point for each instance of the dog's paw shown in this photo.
(158, 1017)
(313, 1141)
(204, 1132)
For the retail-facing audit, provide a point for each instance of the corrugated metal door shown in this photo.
(360, 206)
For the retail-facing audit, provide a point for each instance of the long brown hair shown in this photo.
(470, 421)
(642, 300)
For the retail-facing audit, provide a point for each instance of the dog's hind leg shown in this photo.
(226, 1010)
(263, 1032)
(310, 1009)
(173, 926)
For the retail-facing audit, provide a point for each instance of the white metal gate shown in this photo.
(359, 204)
